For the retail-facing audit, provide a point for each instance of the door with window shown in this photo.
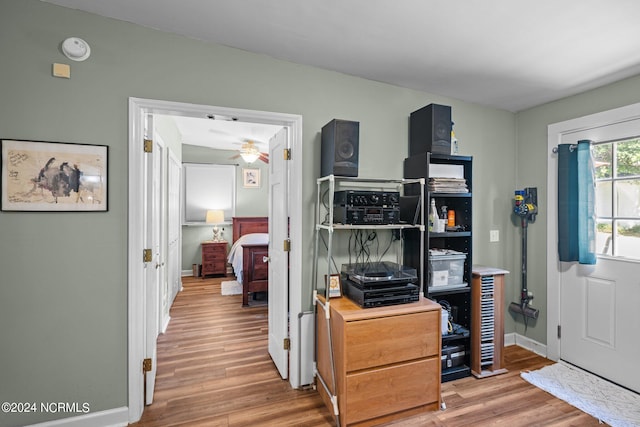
(599, 304)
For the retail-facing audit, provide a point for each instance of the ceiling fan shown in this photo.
(250, 153)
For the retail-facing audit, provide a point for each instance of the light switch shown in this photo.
(62, 70)
(494, 235)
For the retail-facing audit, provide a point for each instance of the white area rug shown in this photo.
(231, 288)
(607, 402)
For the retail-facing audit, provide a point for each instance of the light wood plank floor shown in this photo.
(214, 370)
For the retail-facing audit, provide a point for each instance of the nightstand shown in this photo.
(214, 258)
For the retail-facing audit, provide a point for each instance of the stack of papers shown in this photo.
(444, 252)
(448, 185)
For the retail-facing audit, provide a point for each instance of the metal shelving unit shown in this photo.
(324, 214)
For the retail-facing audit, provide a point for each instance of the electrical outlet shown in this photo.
(494, 235)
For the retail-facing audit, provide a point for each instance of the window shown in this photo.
(617, 166)
(208, 186)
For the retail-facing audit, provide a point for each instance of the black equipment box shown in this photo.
(366, 198)
(374, 275)
(383, 296)
(366, 215)
(376, 284)
(452, 356)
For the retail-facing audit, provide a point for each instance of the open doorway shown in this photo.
(139, 109)
(216, 154)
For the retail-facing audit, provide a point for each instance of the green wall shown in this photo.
(63, 292)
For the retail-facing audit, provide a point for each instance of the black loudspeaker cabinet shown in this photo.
(430, 130)
(339, 148)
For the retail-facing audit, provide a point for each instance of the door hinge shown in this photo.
(147, 256)
(287, 153)
(146, 365)
(148, 145)
(287, 245)
(287, 344)
(559, 331)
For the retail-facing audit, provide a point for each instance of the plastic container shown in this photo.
(447, 270)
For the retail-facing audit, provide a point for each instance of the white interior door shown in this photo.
(174, 261)
(597, 310)
(153, 269)
(279, 259)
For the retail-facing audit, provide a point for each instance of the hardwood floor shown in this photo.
(214, 370)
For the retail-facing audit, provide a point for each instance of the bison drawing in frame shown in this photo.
(52, 176)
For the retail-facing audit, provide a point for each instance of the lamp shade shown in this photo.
(214, 217)
(250, 157)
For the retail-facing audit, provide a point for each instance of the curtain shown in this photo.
(576, 203)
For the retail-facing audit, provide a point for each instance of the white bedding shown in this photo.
(235, 254)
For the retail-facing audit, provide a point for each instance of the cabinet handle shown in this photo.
(266, 259)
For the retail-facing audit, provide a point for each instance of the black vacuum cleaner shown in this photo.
(526, 208)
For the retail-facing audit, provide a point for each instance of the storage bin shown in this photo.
(446, 270)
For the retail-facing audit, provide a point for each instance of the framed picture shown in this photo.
(335, 290)
(53, 176)
(251, 178)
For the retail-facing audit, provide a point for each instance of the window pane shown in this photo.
(628, 198)
(628, 239)
(604, 245)
(603, 199)
(602, 160)
(628, 157)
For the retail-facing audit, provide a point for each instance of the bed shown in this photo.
(247, 255)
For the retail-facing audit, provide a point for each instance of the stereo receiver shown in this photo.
(366, 198)
(366, 215)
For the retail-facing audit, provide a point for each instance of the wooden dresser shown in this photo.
(214, 258)
(387, 360)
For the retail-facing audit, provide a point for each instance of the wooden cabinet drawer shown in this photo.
(214, 266)
(214, 256)
(387, 340)
(213, 250)
(414, 384)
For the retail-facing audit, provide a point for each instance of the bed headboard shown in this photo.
(249, 224)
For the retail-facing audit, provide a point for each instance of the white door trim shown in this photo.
(554, 137)
(137, 108)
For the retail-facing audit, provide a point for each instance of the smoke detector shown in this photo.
(76, 49)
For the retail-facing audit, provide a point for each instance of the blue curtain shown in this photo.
(576, 203)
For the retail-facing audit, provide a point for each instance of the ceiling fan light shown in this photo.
(250, 157)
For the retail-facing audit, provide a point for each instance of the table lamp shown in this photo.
(215, 217)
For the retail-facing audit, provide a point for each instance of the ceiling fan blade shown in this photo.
(234, 157)
(264, 158)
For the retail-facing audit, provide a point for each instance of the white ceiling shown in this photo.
(224, 133)
(503, 53)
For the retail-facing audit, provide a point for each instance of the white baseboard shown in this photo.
(186, 273)
(117, 417)
(524, 342)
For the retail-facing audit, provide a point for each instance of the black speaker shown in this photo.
(430, 130)
(339, 148)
